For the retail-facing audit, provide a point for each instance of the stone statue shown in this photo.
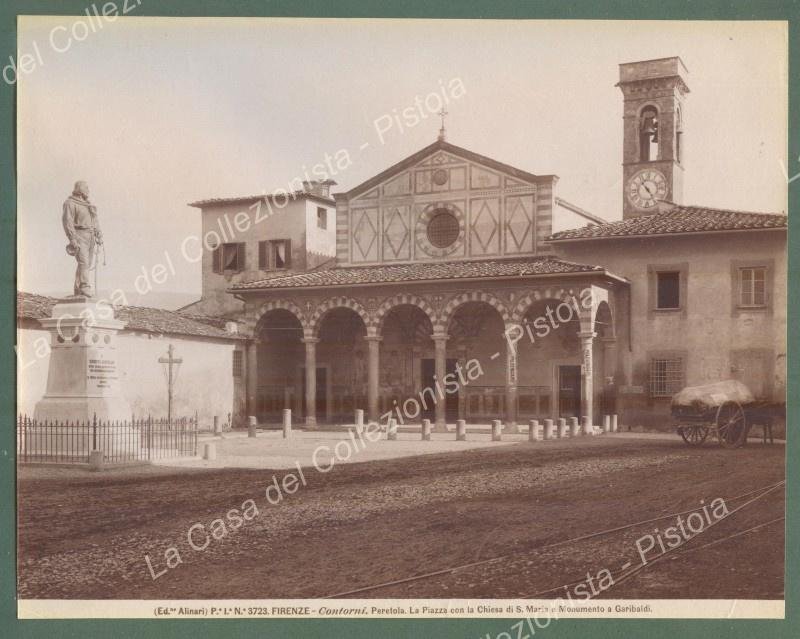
(83, 231)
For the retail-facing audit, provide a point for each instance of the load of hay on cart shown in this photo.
(725, 409)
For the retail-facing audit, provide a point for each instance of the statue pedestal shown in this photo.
(83, 377)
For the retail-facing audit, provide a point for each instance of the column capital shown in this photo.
(309, 340)
(373, 338)
(608, 340)
(440, 337)
(587, 335)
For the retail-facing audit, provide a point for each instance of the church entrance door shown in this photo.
(427, 379)
(569, 391)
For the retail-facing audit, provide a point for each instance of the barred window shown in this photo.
(238, 364)
(753, 286)
(666, 376)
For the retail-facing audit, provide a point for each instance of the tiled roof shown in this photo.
(422, 271)
(679, 219)
(136, 318)
(245, 199)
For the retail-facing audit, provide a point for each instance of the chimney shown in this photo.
(315, 187)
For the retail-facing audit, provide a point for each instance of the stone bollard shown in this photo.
(287, 423)
(426, 430)
(606, 423)
(217, 426)
(533, 431)
(574, 427)
(548, 429)
(210, 451)
(461, 430)
(497, 430)
(359, 420)
(96, 460)
(391, 430)
(562, 428)
(614, 423)
(251, 426)
(588, 428)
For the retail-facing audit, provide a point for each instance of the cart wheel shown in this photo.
(694, 434)
(731, 425)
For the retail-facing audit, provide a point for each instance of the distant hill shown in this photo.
(170, 300)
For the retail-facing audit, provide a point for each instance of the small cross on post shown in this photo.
(169, 360)
(441, 114)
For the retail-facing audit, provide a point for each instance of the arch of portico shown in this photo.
(509, 313)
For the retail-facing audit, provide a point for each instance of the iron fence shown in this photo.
(66, 441)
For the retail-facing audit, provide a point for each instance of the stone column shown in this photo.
(440, 349)
(252, 378)
(511, 384)
(373, 373)
(587, 386)
(311, 381)
(462, 391)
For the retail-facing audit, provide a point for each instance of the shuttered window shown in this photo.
(229, 258)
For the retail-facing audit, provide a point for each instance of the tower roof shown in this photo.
(659, 68)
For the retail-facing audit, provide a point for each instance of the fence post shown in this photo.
(359, 420)
(497, 430)
(574, 427)
(533, 430)
(96, 460)
(606, 423)
(614, 423)
(251, 426)
(461, 430)
(588, 428)
(94, 432)
(426, 430)
(391, 430)
(562, 427)
(287, 423)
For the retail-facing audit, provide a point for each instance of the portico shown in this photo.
(329, 342)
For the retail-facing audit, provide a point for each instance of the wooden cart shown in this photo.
(727, 410)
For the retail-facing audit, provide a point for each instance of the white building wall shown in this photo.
(204, 382)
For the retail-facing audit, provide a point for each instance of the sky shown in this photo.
(158, 112)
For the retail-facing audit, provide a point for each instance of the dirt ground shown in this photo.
(85, 535)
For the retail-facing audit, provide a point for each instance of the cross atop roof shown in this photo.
(441, 114)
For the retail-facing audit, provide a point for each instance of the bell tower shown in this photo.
(653, 96)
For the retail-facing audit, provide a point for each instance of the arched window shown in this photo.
(648, 134)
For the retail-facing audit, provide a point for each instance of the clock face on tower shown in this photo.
(645, 187)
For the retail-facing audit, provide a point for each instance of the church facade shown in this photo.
(453, 286)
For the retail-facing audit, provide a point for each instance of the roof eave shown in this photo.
(203, 204)
(649, 235)
(442, 145)
(599, 272)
